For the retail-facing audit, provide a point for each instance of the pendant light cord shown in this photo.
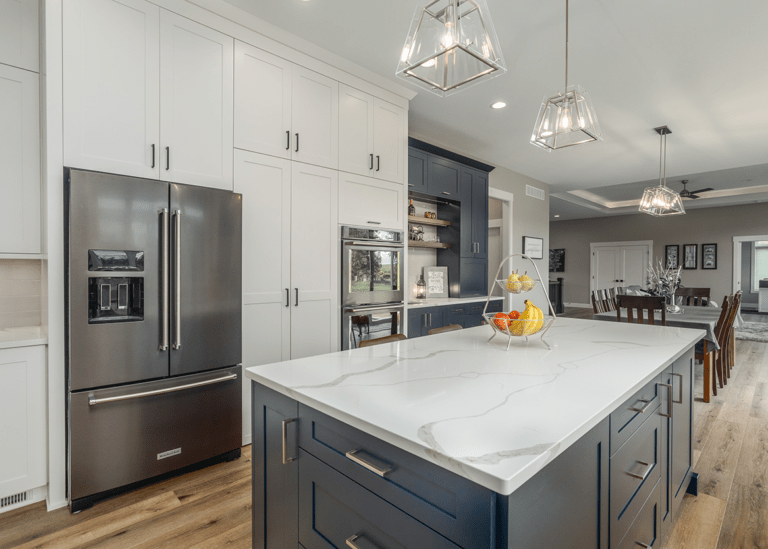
(566, 46)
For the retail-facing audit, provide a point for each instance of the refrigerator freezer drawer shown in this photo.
(126, 434)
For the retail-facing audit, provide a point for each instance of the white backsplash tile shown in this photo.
(20, 290)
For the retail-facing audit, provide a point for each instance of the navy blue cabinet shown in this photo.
(443, 177)
(474, 213)
(467, 315)
(417, 170)
(423, 319)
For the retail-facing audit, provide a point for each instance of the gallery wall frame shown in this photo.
(672, 256)
(690, 257)
(709, 256)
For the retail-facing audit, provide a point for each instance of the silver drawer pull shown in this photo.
(648, 467)
(680, 391)
(669, 401)
(368, 545)
(92, 401)
(370, 466)
(286, 459)
(643, 545)
(446, 194)
(643, 408)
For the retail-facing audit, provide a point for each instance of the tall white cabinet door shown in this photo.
(314, 118)
(23, 432)
(389, 141)
(355, 131)
(111, 86)
(20, 161)
(314, 261)
(18, 34)
(197, 102)
(265, 183)
(262, 102)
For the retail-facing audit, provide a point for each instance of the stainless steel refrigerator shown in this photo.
(153, 326)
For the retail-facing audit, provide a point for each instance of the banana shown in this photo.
(530, 322)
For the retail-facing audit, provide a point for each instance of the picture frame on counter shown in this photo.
(690, 256)
(533, 247)
(437, 281)
(672, 255)
(709, 256)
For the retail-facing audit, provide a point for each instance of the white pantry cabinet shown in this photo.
(369, 202)
(314, 118)
(23, 429)
(372, 136)
(19, 34)
(20, 161)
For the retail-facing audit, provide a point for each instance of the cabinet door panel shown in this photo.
(389, 141)
(417, 170)
(196, 91)
(474, 277)
(112, 86)
(480, 214)
(444, 176)
(262, 102)
(315, 118)
(20, 161)
(367, 202)
(356, 131)
(18, 34)
(466, 242)
(682, 451)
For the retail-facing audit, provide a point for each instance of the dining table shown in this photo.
(702, 318)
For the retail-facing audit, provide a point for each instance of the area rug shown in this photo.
(752, 331)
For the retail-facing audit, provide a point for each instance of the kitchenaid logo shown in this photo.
(169, 453)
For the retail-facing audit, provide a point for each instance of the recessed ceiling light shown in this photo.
(498, 105)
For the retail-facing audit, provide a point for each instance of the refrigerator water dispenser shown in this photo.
(115, 299)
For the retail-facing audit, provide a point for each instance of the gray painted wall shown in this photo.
(701, 226)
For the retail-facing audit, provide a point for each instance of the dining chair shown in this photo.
(597, 302)
(449, 328)
(730, 342)
(382, 340)
(620, 290)
(609, 297)
(693, 297)
(641, 304)
(714, 364)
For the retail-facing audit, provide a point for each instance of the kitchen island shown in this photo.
(452, 441)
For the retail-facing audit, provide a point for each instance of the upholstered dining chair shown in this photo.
(449, 328)
(638, 305)
(693, 297)
(382, 340)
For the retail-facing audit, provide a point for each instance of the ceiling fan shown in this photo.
(685, 193)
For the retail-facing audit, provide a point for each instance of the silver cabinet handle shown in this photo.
(286, 459)
(411, 185)
(287, 297)
(370, 466)
(166, 275)
(643, 408)
(425, 320)
(669, 402)
(648, 467)
(643, 545)
(177, 281)
(374, 222)
(680, 391)
(446, 194)
(297, 297)
(351, 542)
(92, 401)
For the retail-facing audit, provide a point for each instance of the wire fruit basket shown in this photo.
(514, 328)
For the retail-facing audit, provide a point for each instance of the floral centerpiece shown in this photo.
(663, 281)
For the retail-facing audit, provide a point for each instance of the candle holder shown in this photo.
(421, 288)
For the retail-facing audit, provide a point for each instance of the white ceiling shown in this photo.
(697, 66)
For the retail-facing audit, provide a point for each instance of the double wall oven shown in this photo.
(371, 284)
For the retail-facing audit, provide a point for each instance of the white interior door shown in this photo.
(314, 118)
(265, 183)
(355, 131)
(633, 266)
(624, 264)
(605, 261)
(20, 161)
(18, 34)
(314, 261)
(262, 102)
(112, 86)
(389, 141)
(196, 93)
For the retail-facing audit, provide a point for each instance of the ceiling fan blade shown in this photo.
(703, 190)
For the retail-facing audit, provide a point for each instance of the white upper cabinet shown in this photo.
(369, 202)
(196, 103)
(262, 102)
(355, 131)
(389, 139)
(314, 118)
(20, 161)
(112, 86)
(19, 34)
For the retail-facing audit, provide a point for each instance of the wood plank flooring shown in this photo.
(211, 508)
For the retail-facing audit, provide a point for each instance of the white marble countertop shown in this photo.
(493, 416)
(438, 301)
(22, 337)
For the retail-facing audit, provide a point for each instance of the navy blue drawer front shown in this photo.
(645, 530)
(333, 509)
(454, 314)
(628, 417)
(452, 505)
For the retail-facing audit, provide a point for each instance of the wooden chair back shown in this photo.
(382, 340)
(735, 305)
(449, 328)
(693, 297)
(721, 328)
(602, 301)
(638, 305)
(619, 290)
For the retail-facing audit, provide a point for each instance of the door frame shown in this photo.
(507, 242)
(736, 286)
(593, 245)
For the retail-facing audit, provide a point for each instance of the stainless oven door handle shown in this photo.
(378, 307)
(398, 245)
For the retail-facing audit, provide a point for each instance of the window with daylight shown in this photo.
(760, 263)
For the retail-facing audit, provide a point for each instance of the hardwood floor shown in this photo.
(211, 508)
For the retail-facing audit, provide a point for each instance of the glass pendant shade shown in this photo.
(450, 46)
(660, 201)
(566, 119)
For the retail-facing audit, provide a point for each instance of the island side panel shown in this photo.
(275, 484)
(565, 504)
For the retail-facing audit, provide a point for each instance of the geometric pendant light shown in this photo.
(451, 45)
(567, 118)
(660, 201)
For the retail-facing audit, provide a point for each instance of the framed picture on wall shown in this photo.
(709, 256)
(557, 260)
(672, 254)
(690, 256)
(533, 247)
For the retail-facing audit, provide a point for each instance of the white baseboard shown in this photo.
(581, 305)
(37, 494)
(246, 439)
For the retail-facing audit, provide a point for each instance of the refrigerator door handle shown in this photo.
(177, 281)
(92, 401)
(165, 279)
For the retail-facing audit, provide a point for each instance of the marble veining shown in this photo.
(493, 416)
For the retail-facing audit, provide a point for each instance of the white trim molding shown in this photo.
(507, 242)
(736, 286)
